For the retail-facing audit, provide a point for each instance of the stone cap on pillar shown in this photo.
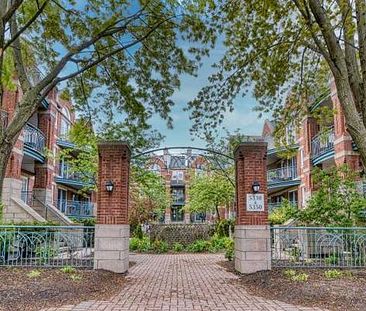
(239, 151)
(115, 144)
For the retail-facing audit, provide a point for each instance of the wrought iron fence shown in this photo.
(47, 246)
(322, 143)
(79, 209)
(282, 174)
(318, 247)
(34, 138)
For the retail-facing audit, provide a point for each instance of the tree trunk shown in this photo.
(5, 153)
(218, 214)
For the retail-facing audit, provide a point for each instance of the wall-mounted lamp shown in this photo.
(256, 187)
(109, 186)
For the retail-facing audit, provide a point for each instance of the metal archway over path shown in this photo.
(252, 233)
(182, 148)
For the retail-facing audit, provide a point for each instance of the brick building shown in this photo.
(291, 178)
(176, 170)
(39, 185)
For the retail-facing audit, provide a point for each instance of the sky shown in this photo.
(243, 116)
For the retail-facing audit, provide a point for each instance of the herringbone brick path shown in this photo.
(181, 282)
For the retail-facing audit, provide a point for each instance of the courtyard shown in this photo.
(181, 282)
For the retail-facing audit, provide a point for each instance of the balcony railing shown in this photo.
(78, 209)
(3, 118)
(34, 138)
(285, 173)
(321, 144)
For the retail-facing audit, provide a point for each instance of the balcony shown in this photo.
(69, 178)
(322, 147)
(3, 118)
(282, 177)
(77, 209)
(34, 142)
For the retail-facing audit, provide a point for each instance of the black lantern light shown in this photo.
(109, 186)
(256, 186)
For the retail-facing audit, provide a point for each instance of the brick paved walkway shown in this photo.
(181, 282)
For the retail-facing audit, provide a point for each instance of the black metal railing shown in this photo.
(322, 143)
(34, 138)
(284, 173)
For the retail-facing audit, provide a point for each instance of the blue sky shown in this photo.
(243, 116)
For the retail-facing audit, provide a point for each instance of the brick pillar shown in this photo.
(44, 172)
(252, 231)
(112, 230)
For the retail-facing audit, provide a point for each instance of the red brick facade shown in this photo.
(250, 166)
(114, 165)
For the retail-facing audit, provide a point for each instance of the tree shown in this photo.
(117, 57)
(280, 47)
(207, 193)
(148, 196)
(336, 202)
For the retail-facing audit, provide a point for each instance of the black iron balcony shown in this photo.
(284, 173)
(322, 146)
(34, 138)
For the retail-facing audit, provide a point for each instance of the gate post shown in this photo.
(252, 230)
(112, 230)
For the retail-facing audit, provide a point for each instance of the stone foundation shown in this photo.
(111, 249)
(252, 248)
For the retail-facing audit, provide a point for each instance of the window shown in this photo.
(177, 176)
(65, 123)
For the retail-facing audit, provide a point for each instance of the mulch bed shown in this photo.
(53, 288)
(344, 293)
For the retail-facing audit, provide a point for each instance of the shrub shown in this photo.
(140, 245)
(68, 269)
(332, 259)
(178, 247)
(160, 246)
(137, 233)
(229, 246)
(282, 214)
(301, 277)
(289, 273)
(34, 274)
(333, 274)
(75, 277)
(222, 228)
(199, 246)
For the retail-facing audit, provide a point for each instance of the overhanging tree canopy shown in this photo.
(117, 57)
(277, 46)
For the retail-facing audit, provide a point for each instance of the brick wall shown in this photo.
(114, 165)
(251, 165)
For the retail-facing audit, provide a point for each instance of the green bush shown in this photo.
(333, 274)
(229, 247)
(140, 245)
(218, 243)
(137, 233)
(289, 273)
(282, 214)
(332, 259)
(160, 246)
(68, 269)
(222, 228)
(199, 246)
(301, 277)
(178, 247)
